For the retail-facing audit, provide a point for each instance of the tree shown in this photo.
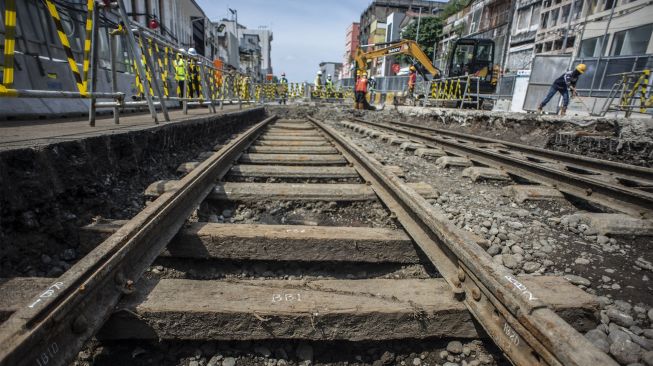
(453, 7)
(429, 30)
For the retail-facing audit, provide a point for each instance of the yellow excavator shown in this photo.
(404, 46)
(469, 56)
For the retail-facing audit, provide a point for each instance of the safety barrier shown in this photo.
(151, 58)
(332, 92)
(628, 88)
(84, 81)
(461, 90)
(278, 92)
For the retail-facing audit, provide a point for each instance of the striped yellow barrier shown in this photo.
(54, 13)
(10, 44)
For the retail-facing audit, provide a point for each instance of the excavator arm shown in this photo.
(405, 47)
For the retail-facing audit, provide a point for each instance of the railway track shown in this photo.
(612, 185)
(302, 162)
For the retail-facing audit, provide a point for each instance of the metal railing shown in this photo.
(131, 48)
(633, 93)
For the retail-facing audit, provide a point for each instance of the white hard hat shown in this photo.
(181, 50)
(319, 72)
(192, 51)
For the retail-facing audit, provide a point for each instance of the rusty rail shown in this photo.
(585, 161)
(527, 331)
(570, 178)
(53, 326)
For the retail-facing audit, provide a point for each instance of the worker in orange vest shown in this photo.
(361, 89)
(412, 80)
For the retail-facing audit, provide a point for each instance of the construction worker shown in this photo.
(372, 87)
(318, 79)
(412, 80)
(180, 73)
(360, 89)
(563, 84)
(328, 85)
(194, 82)
(283, 85)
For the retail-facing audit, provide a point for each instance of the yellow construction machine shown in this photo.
(404, 46)
(469, 56)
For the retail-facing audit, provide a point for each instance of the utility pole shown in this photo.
(419, 18)
(234, 12)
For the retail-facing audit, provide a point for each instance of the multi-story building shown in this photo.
(487, 19)
(250, 56)
(351, 44)
(229, 42)
(526, 21)
(378, 10)
(593, 28)
(265, 37)
(330, 68)
(377, 35)
(393, 33)
(246, 50)
(181, 21)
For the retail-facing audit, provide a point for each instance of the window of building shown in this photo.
(523, 18)
(557, 45)
(545, 20)
(554, 17)
(590, 47)
(476, 17)
(593, 7)
(565, 14)
(538, 48)
(535, 18)
(609, 4)
(547, 3)
(633, 41)
(578, 9)
(570, 41)
(547, 46)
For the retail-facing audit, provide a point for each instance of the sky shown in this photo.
(305, 32)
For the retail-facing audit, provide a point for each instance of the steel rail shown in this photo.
(526, 330)
(52, 328)
(634, 202)
(584, 161)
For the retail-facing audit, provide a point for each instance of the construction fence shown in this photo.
(82, 56)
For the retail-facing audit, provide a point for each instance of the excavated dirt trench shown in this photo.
(46, 194)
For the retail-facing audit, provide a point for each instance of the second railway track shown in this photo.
(462, 294)
(613, 185)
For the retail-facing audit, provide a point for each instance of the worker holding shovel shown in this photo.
(565, 83)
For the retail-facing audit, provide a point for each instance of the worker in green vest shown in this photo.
(180, 73)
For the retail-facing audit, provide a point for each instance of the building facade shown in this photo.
(265, 38)
(526, 21)
(379, 10)
(330, 68)
(351, 45)
(393, 23)
(483, 19)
